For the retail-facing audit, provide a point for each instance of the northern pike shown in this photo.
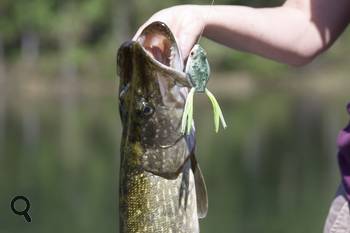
(161, 187)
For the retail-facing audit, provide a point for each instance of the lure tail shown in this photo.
(216, 110)
(187, 117)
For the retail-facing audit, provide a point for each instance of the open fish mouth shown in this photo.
(161, 45)
(157, 44)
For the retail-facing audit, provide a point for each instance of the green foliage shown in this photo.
(83, 25)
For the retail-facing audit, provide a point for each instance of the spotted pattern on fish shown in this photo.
(149, 197)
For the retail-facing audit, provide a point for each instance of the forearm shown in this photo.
(286, 34)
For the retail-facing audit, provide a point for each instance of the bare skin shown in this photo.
(294, 33)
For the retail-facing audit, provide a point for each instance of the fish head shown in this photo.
(152, 94)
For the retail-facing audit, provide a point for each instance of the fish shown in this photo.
(161, 186)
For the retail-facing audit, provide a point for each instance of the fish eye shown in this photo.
(147, 109)
(192, 53)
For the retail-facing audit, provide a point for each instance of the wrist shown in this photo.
(202, 12)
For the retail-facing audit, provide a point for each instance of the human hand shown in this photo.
(185, 21)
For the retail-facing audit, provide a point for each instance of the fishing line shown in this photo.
(207, 16)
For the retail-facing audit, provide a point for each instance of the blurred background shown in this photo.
(272, 170)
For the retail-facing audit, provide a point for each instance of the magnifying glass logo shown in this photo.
(21, 212)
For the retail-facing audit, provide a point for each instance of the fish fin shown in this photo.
(185, 184)
(166, 162)
(201, 189)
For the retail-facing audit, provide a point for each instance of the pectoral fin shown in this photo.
(201, 189)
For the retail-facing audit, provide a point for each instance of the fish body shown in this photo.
(161, 188)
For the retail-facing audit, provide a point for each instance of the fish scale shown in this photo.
(142, 208)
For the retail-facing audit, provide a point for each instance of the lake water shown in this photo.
(273, 169)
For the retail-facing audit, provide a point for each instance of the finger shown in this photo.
(186, 42)
(139, 31)
(153, 18)
(143, 26)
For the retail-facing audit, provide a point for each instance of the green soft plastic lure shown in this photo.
(198, 71)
